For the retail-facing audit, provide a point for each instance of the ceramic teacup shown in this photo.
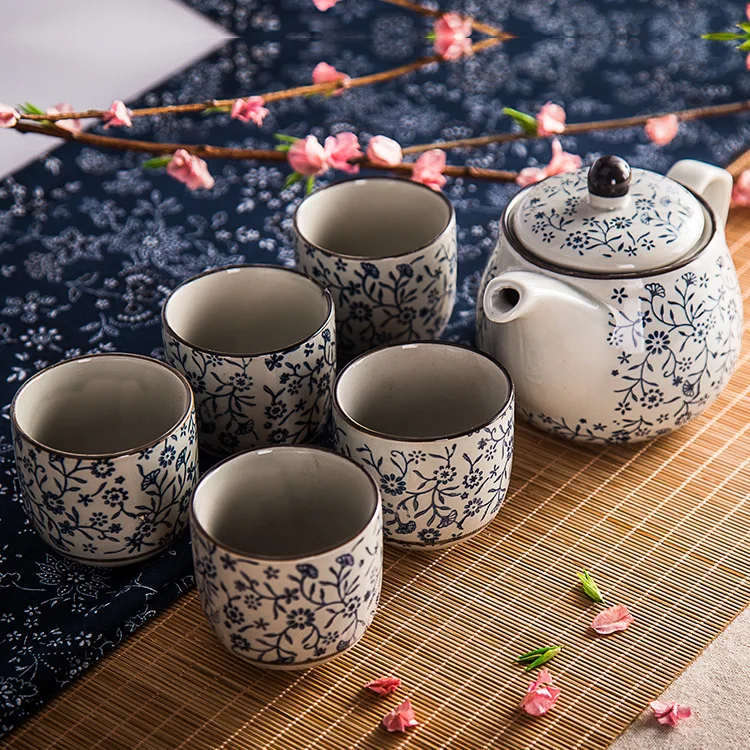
(258, 346)
(433, 424)
(287, 545)
(106, 455)
(386, 250)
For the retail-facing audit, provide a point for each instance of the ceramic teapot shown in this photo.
(612, 299)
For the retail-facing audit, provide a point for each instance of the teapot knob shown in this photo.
(609, 182)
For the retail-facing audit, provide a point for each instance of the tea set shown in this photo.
(611, 301)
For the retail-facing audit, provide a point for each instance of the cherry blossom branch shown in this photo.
(685, 115)
(224, 152)
(483, 28)
(271, 96)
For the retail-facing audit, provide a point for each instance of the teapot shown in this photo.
(612, 299)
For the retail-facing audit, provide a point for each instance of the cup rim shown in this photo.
(283, 558)
(290, 347)
(372, 259)
(437, 438)
(118, 454)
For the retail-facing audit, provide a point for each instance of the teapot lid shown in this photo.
(609, 219)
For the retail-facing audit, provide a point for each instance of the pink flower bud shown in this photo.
(190, 169)
(550, 120)
(428, 169)
(250, 109)
(118, 114)
(741, 190)
(662, 130)
(325, 73)
(561, 161)
(385, 151)
(307, 156)
(340, 149)
(74, 126)
(324, 4)
(8, 116)
(452, 36)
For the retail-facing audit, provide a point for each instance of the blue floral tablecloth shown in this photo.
(90, 244)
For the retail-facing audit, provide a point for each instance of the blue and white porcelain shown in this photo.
(386, 249)
(613, 300)
(106, 456)
(258, 346)
(288, 574)
(433, 424)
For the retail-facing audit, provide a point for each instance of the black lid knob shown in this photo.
(609, 177)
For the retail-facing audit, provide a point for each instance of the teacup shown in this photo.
(287, 545)
(433, 424)
(258, 346)
(386, 250)
(106, 455)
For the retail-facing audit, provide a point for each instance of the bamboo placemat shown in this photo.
(665, 526)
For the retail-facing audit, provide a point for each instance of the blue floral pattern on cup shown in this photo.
(392, 300)
(286, 614)
(436, 493)
(269, 399)
(110, 511)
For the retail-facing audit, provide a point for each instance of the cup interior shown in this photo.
(246, 310)
(373, 218)
(102, 405)
(284, 502)
(422, 391)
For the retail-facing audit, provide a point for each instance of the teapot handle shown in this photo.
(712, 183)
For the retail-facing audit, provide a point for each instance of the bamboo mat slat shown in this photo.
(665, 526)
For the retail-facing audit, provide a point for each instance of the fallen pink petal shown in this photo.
(8, 116)
(670, 713)
(384, 685)
(341, 149)
(118, 114)
(428, 169)
(662, 130)
(550, 120)
(74, 126)
(452, 36)
(325, 73)
(249, 110)
(190, 170)
(613, 619)
(307, 156)
(541, 695)
(741, 190)
(400, 718)
(385, 151)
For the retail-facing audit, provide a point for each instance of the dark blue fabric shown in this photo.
(90, 244)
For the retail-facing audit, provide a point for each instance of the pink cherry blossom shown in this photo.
(74, 126)
(670, 713)
(250, 109)
(613, 619)
(385, 151)
(662, 130)
(401, 718)
(550, 120)
(324, 4)
(8, 116)
(190, 169)
(452, 36)
(325, 73)
(340, 149)
(561, 161)
(384, 685)
(741, 191)
(428, 169)
(118, 114)
(541, 695)
(307, 156)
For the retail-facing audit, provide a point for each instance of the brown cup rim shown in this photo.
(375, 259)
(167, 328)
(190, 407)
(339, 410)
